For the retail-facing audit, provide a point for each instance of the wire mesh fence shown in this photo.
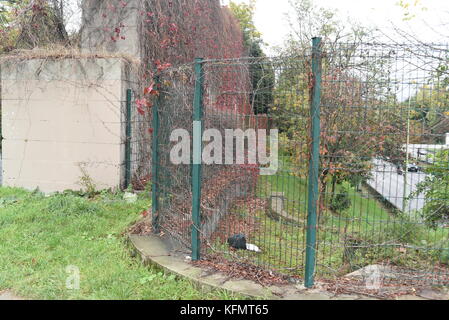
(137, 144)
(381, 184)
(378, 196)
(254, 205)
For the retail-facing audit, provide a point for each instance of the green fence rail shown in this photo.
(155, 165)
(128, 150)
(197, 159)
(312, 201)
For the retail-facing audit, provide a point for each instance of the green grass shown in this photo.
(367, 223)
(41, 236)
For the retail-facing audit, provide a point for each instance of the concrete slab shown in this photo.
(277, 209)
(246, 287)
(154, 251)
(410, 297)
(8, 295)
(313, 296)
(372, 271)
(434, 294)
(345, 297)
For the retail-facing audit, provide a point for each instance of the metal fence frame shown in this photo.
(196, 167)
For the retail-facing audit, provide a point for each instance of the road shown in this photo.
(386, 181)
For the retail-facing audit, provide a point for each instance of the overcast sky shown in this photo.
(428, 25)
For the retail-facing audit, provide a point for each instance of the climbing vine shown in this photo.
(176, 32)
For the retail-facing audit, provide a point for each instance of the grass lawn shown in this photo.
(366, 233)
(41, 236)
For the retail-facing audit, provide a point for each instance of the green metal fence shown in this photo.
(137, 143)
(361, 189)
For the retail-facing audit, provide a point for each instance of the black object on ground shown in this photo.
(237, 241)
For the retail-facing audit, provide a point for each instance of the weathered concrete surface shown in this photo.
(212, 219)
(410, 297)
(62, 120)
(109, 26)
(373, 270)
(434, 294)
(8, 295)
(154, 251)
(278, 211)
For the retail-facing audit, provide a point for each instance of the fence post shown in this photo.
(313, 193)
(197, 159)
(155, 165)
(128, 139)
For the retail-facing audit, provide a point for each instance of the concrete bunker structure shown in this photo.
(64, 117)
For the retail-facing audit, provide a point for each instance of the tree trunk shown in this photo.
(334, 182)
(322, 197)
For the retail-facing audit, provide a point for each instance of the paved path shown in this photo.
(8, 295)
(392, 186)
(153, 250)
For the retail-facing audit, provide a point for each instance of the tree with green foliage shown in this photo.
(308, 20)
(348, 142)
(261, 72)
(430, 104)
(245, 15)
(436, 190)
(430, 113)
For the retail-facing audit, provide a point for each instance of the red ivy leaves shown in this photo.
(162, 66)
(140, 110)
(149, 89)
(145, 213)
(142, 104)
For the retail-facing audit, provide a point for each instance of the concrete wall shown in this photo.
(63, 117)
(100, 20)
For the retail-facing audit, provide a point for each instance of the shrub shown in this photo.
(340, 202)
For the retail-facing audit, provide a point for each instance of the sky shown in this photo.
(270, 17)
